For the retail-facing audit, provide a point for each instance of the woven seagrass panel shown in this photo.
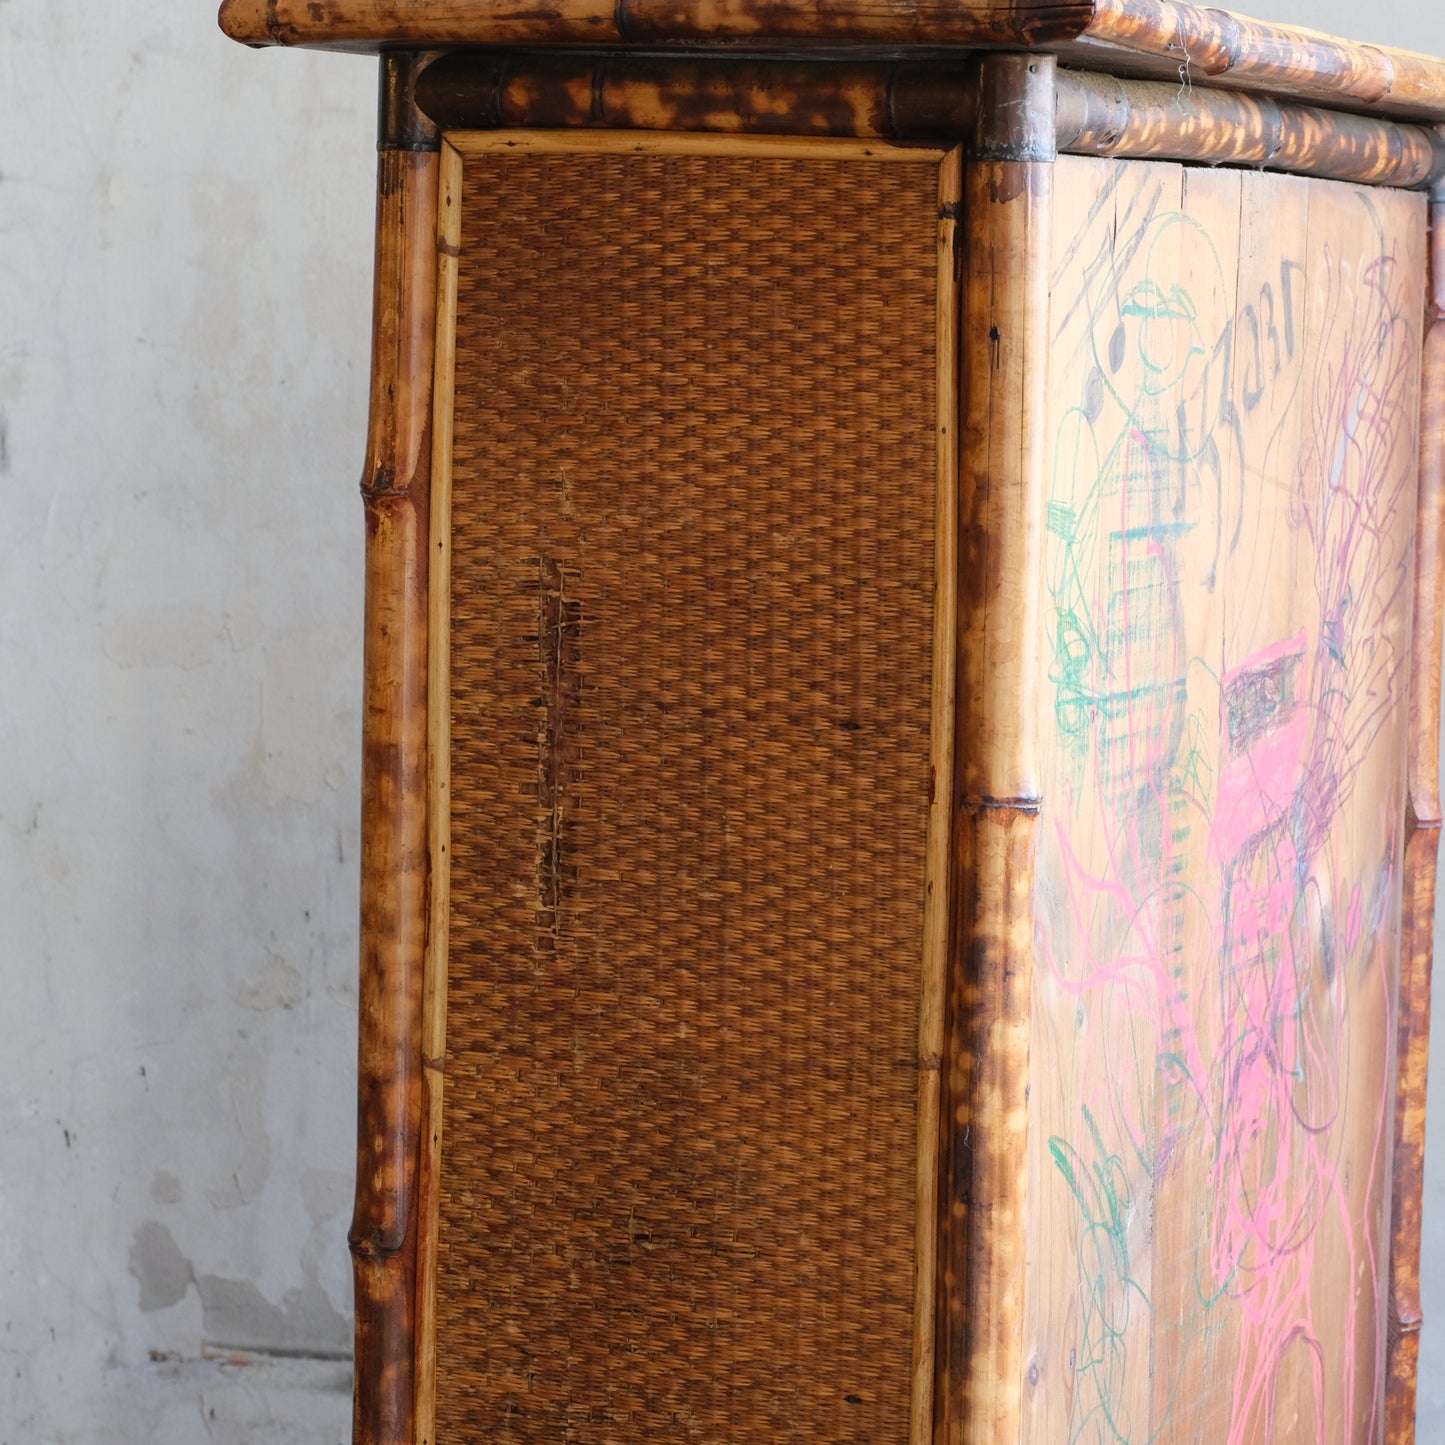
(693, 537)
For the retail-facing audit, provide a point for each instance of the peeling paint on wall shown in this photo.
(156, 1261)
(252, 1167)
(239, 1317)
(236, 1315)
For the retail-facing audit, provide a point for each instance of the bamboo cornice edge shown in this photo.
(1210, 47)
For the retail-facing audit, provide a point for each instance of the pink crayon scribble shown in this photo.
(1251, 1066)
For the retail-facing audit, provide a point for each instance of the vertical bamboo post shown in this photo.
(1422, 851)
(395, 488)
(1004, 337)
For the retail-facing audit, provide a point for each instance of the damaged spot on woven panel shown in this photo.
(559, 647)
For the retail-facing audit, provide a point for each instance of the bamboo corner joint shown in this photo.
(900, 788)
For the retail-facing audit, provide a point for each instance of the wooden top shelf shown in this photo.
(1148, 38)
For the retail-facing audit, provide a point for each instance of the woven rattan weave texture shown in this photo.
(694, 492)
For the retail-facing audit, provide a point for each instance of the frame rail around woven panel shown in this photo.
(583, 572)
(907, 101)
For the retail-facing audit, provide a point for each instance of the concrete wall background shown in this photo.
(184, 296)
(183, 338)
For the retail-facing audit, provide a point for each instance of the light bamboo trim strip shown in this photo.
(937, 910)
(434, 989)
(669, 143)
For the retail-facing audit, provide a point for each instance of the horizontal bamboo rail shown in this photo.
(912, 101)
(1099, 115)
(365, 24)
(1206, 45)
(559, 91)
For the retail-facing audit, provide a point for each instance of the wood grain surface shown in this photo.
(1228, 585)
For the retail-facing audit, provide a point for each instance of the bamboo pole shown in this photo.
(618, 91)
(1099, 115)
(1004, 338)
(364, 24)
(394, 881)
(1208, 44)
(1422, 851)
(1405, 1316)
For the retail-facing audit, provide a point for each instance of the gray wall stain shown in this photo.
(239, 1317)
(236, 1315)
(165, 1187)
(156, 1261)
